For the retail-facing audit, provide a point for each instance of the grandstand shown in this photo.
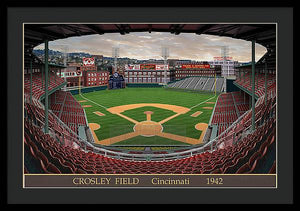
(199, 84)
(242, 134)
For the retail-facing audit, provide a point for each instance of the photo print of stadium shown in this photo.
(156, 111)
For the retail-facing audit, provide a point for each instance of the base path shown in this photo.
(94, 126)
(116, 139)
(99, 113)
(197, 113)
(202, 127)
(210, 108)
(174, 108)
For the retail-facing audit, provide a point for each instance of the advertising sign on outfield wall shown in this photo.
(195, 66)
(162, 67)
(132, 67)
(70, 74)
(147, 66)
(88, 61)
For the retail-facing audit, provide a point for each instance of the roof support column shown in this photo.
(253, 85)
(31, 81)
(42, 79)
(46, 87)
(266, 83)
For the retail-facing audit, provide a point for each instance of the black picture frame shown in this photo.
(16, 16)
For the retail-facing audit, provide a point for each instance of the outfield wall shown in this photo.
(88, 89)
(143, 85)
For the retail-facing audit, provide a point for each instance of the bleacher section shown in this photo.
(199, 84)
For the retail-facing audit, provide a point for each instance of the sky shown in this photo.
(145, 45)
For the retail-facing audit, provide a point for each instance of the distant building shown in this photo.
(146, 73)
(75, 74)
(191, 69)
(95, 78)
(227, 65)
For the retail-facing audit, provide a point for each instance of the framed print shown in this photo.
(141, 104)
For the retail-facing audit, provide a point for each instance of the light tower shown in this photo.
(224, 55)
(65, 55)
(165, 55)
(115, 55)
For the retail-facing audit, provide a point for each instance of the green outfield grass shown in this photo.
(113, 125)
(158, 113)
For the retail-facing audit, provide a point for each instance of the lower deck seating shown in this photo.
(228, 108)
(65, 106)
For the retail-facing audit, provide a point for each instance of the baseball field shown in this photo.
(147, 116)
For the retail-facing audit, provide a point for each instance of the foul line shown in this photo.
(202, 102)
(93, 102)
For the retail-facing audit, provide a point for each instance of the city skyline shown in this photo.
(144, 45)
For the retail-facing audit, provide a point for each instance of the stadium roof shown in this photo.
(264, 34)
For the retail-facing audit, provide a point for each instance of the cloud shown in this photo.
(144, 45)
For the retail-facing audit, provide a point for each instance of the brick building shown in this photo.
(95, 78)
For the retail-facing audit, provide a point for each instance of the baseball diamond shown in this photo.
(152, 112)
